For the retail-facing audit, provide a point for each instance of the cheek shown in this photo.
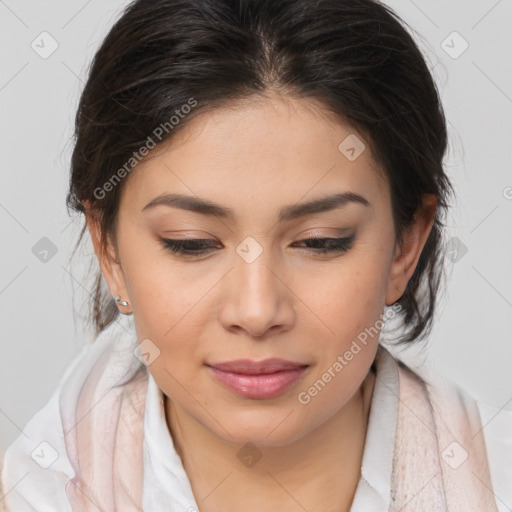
(351, 298)
(166, 314)
(352, 308)
(166, 308)
(345, 354)
(160, 294)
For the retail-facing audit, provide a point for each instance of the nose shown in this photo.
(258, 301)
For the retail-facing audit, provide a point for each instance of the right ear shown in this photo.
(107, 256)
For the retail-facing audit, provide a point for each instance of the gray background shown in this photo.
(42, 303)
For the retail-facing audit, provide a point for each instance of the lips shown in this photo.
(258, 379)
(248, 367)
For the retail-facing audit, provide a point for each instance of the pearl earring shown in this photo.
(121, 302)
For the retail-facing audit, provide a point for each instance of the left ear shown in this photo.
(408, 254)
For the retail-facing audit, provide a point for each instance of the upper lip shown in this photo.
(254, 367)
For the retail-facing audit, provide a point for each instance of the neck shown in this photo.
(319, 471)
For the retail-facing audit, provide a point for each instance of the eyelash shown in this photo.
(334, 245)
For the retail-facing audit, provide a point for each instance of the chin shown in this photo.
(262, 429)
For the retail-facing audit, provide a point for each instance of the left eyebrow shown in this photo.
(320, 205)
(287, 213)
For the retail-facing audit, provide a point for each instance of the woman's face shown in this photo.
(255, 289)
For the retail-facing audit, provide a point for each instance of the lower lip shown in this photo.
(259, 385)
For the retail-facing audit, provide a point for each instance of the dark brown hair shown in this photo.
(354, 57)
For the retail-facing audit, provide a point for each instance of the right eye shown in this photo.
(189, 247)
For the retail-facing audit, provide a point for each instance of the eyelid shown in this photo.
(312, 235)
(335, 246)
(326, 233)
(186, 235)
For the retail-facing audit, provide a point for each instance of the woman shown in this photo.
(263, 186)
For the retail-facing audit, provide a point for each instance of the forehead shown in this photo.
(272, 150)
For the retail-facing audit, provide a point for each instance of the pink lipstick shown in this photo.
(258, 379)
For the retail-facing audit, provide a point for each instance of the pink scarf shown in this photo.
(439, 463)
(440, 460)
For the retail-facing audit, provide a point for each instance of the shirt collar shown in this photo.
(373, 492)
(166, 484)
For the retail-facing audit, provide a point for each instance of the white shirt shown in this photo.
(166, 484)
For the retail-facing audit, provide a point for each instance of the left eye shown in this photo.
(196, 247)
(330, 244)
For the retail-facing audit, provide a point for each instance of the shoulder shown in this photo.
(37, 466)
(497, 430)
(38, 455)
(34, 466)
(456, 410)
